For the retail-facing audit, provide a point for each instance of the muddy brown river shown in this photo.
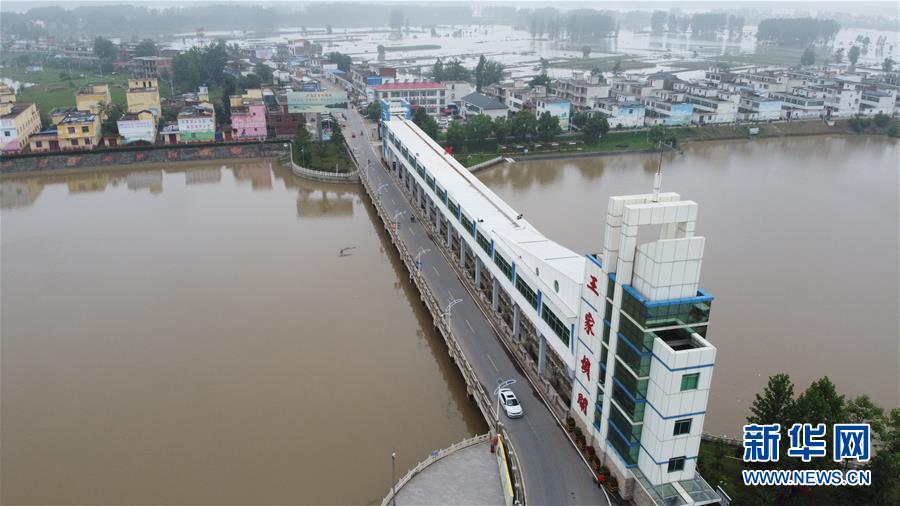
(801, 252)
(194, 336)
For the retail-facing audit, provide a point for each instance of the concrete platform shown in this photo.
(465, 477)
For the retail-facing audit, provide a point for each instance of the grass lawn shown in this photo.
(325, 156)
(53, 88)
(471, 159)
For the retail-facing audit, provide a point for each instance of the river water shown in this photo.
(193, 336)
(801, 252)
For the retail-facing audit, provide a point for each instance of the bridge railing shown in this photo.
(475, 388)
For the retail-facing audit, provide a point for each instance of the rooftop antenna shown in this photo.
(657, 179)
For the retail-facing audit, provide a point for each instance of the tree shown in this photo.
(809, 57)
(548, 126)
(881, 120)
(888, 64)
(617, 67)
(820, 403)
(500, 128)
(419, 115)
(250, 81)
(337, 135)
(478, 129)
(839, 55)
(343, 61)
(659, 134)
(228, 89)
(493, 72)
(373, 112)
(456, 135)
(885, 466)
(862, 410)
(328, 29)
(264, 72)
(540, 80)
(437, 70)
(110, 114)
(146, 48)
(523, 125)
(594, 127)
(104, 49)
(853, 55)
(380, 50)
(776, 404)
(586, 52)
(479, 73)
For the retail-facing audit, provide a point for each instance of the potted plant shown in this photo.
(570, 423)
(590, 452)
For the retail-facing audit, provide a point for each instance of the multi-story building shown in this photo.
(248, 117)
(619, 336)
(430, 95)
(79, 130)
(876, 101)
(803, 103)
(6, 94)
(759, 108)
(139, 126)
(281, 122)
(841, 99)
(660, 111)
(365, 75)
(581, 90)
(151, 66)
(621, 114)
(474, 104)
(559, 108)
(44, 141)
(18, 121)
(92, 98)
(456, 90)
(197, 123)
(143, 95)
(712, 110)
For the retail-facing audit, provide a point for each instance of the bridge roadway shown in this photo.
(553, 471)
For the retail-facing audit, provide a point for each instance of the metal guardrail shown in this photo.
(432, 458)
(473, 383)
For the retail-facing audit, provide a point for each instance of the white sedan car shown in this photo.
(510, 403)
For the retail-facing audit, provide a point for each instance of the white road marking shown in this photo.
(492, 363)
(435, 270)
(470, 326)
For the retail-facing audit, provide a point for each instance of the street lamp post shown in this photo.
(449, 311)
(393, 478)
(421, 252)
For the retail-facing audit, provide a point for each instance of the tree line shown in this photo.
(820, 403)
(797, 31)
(701, 23)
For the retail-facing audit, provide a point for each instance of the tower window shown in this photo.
(676, 464)
(690, 381)
(682, 427)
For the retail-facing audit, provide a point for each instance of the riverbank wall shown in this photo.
(37, 162)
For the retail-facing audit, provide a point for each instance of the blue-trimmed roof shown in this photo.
(702, 296)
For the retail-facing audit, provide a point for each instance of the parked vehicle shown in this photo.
(510, 403)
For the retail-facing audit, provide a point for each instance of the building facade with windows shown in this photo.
(137, 127)
(18, 121)
(432, 96)
(143, 95)
(92, 97)
(197, 124)
(79, 130)
(621, 114)
(620, 335)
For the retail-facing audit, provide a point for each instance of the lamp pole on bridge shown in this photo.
(393, 478)
(421, 252)
(449, 311)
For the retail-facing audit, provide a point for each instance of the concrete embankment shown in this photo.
(140, 155)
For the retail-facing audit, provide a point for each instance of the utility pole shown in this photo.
(393, 478)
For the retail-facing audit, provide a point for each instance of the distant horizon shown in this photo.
(792, 7)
